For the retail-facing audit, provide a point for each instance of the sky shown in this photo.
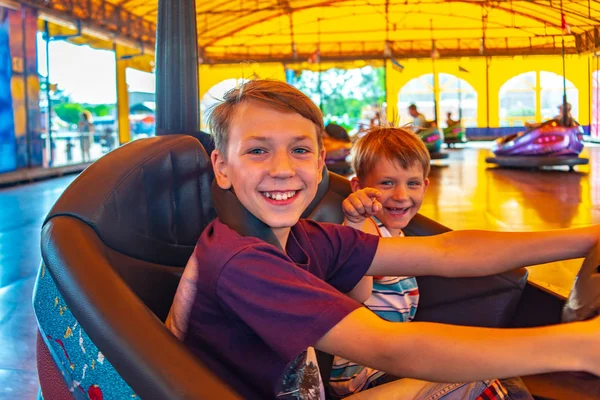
(87, 74)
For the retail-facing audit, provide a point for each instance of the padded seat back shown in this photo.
(147, 202)
(113, 248)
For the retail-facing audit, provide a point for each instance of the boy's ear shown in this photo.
(355, 184)
(321, 163)
(425, 184)
(220, 167)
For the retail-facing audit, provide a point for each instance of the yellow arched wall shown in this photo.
(501, 69)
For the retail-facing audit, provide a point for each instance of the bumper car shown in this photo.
(454, 134)
(549, 144)
(433, 139)
(337, 146)
(113, 250)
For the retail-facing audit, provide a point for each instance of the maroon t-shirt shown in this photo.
(250, 311)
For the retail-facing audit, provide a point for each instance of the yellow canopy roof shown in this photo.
(293, 30)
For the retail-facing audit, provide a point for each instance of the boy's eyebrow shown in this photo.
(391, 178)
(302, 137)
(257, 137)
(268, 138)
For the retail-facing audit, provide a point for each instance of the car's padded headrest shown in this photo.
(233, 214)
(327, 205)
(149, 199)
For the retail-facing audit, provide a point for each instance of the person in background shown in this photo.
(87, 129)
(419, 121)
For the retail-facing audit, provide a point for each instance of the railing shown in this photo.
(516, 121)
(68, 147)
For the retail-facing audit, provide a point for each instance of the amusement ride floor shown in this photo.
(464, 194)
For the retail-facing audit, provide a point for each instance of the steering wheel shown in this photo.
(584, 300)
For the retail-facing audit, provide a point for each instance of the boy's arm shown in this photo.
(479, 253)
(362, 290)
(364, 287)
(447, 353)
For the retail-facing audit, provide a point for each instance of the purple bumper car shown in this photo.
(549, 144)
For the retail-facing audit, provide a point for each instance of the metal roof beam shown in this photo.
(233, 58)
(567, 10)
(102, 16)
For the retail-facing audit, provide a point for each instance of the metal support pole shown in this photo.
(435, 78)
(460, 113)
(50, 139)
(124, 130)
(319, 89)
(487, 94)
(565, 113)
(595, 117)
(565, 109)
(177, 103)
(26, 89)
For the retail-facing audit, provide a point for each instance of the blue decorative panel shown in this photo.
(88, 374)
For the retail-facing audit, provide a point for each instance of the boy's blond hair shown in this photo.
(276, 95)
(394, 144)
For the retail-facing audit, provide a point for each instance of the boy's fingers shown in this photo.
(366, 201)
(348, 208)
(357, 204)
(372, 192)
(376, 206)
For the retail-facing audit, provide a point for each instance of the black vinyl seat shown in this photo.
(115, 245)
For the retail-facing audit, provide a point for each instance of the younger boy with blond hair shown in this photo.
(392, 167)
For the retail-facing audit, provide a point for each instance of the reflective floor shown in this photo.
(468, 194)
(22, 210)
(464, 194)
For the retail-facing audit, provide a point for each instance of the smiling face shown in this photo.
(273, 163)
(402, 191)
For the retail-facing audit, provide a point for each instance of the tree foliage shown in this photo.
(69, 112)
(343, 94)
(101, 110)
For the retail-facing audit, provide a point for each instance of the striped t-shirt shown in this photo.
(394, 298)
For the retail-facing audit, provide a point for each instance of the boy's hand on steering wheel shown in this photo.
(592, 351)
(361, 205)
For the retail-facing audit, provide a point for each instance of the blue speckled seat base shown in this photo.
(87, 373)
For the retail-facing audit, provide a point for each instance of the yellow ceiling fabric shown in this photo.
(292, 31)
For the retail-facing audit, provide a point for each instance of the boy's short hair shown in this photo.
(394, 144)
(412, 107)
(276, 95)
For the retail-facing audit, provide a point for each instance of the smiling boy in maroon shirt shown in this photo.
(253, 311)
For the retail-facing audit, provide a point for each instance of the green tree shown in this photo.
(69, 112)
(102, 110)
(343, 94)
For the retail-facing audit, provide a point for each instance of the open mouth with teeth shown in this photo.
(280, 197)
(397, 211)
